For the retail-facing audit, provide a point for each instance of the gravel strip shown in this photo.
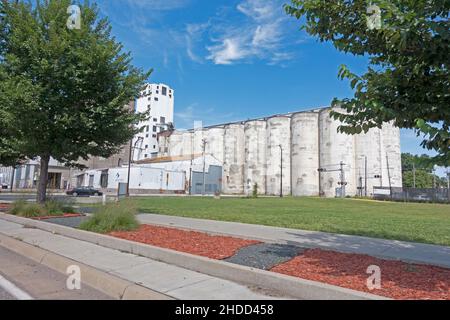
(265, 256)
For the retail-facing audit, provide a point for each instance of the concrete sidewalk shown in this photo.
(172, 281)
(387, 249)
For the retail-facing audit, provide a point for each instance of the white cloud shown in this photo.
(259, 33)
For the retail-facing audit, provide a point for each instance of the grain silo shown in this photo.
(305, 154)
(234, 157)
(335, 148)
(278, 155)
(255, 156)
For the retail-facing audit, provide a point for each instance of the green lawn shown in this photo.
(427, 223)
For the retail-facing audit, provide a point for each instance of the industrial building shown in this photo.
(158, 100)
(177, 175)
(299, 154)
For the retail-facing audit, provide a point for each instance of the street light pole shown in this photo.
(204, 142)
(281, 177)
(130, 159)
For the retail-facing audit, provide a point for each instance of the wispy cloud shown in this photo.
(258, 33)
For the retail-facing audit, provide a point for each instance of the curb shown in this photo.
(286, 285)
(112, 286)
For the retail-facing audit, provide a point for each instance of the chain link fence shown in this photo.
(438, 195)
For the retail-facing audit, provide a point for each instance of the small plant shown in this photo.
(17, 207)
(32, 210)
(255, 191)
(52, 207)
(113, 217)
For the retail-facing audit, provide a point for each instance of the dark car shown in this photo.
(84, 192)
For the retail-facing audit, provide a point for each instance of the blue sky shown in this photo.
(232, 59)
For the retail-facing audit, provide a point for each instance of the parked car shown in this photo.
(84, 192)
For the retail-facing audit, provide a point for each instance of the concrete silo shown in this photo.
(391, 153)
(305, 154)
(234, 157)
(215, 142)
(335, 148)
(278, 134)
(175, 144)
(255, 156)
(368, 146)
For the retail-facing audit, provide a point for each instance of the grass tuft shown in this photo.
(52, 207)
(113, 217)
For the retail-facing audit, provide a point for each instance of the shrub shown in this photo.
(50, 208)
(112, 217)
(32, 210)
(255, 191)
(17, 207)
(57, 207)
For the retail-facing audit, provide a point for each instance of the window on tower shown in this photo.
(164, 91)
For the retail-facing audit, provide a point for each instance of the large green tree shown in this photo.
(407, 82)
(63, 85)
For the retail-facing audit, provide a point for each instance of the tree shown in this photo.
(422, 162)
(407, 81)
(62, 88)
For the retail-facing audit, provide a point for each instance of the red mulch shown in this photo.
(198, 243)
(67, 215)
(399, 280)
(4, 206)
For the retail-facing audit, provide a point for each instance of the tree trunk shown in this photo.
(43, 180)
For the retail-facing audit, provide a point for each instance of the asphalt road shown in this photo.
(4, 295)
(40, 282)
(13, 197)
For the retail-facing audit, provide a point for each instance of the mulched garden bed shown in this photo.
(4, 207)
(193, 242)
(399, 280)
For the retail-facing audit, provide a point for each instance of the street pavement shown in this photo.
(388, 249)
(170, 280)
(4, 295)
(38, 281)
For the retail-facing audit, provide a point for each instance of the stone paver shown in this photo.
(265, 255)
(387, 249)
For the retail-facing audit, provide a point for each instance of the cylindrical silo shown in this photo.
(215, 142)
(234, 157)
(368, 161)
(175, 143)
(278, 155)
(197, 140)
(335, 147)
(305, 154)
(391, 153)
(255, 156)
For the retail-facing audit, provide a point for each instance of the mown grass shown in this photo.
(426, 223)
(52, 207)
(112, 217)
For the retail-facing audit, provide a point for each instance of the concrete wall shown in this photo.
(250, 153)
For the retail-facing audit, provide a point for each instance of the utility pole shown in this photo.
(389, 174)
(343, 183)
(281, 177)
(414, 175)
(204, 142)
(367, 177)
(130, 159)
(12, 177)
